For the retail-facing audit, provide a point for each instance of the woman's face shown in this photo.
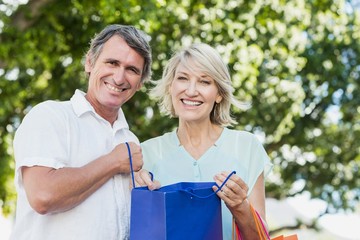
(193, 94)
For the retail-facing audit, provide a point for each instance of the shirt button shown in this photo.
(195, 163)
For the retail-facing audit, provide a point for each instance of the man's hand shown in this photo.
(120, 155)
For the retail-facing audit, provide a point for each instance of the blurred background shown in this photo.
(296, 61)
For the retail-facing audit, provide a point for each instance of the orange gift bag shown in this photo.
(261, 229)
(282, 237)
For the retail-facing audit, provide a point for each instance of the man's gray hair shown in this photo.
(135, 38)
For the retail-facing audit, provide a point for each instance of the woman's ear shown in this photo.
(218, 99)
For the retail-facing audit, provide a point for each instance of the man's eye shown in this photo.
(114, 63)
(134, 70)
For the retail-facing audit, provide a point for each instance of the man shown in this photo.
(72, 164)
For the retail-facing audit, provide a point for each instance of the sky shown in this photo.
(341, 226)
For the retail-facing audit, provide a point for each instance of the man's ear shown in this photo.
(140, 84)
(88, 65)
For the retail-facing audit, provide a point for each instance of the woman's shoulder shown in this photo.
(240, 136)
(166, 137)
(156, 146)
(239, 133)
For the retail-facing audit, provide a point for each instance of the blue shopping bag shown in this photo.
(181, 211)
(185, 210)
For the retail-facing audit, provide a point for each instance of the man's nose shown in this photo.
(119, 76)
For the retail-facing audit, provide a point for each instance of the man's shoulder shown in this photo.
(49, 109)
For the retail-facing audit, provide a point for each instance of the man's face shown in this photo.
(114, 77)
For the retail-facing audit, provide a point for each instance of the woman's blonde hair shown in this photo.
(208, 61)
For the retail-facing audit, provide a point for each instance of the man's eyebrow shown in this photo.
(139, 70)
(111, 60)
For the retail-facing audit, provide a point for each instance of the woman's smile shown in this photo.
(191, 102)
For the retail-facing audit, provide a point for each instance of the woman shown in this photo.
(196, 89)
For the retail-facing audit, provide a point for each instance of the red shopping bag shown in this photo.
(261, 229)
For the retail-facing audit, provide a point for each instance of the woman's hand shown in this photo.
(143, 178)
(234, 192)
(237, 198)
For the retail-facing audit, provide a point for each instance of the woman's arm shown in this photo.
(234, 194)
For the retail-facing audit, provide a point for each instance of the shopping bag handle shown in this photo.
(131, 166)
(190, 190)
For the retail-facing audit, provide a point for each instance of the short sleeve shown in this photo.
(41, 139)
(259, 162)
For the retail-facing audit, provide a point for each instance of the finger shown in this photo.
(147, 181)
(138, 179)
(135, 147)
(224, 193)
(146, 177)
(235, 181)
(155, 185)
(137, 162)
(138, 168)
(219, 193)
(221, 179)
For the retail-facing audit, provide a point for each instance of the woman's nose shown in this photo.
(191, 89)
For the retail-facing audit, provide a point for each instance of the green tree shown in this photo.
(296, 61)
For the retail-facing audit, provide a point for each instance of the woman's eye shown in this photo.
(181, 78)
(205, 82)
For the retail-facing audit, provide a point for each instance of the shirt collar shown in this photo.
(82, 106)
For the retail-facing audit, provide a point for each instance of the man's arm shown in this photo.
(52, 190)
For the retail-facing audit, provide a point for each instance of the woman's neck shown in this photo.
(198, 138)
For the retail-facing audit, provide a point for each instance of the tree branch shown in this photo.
(25, 16)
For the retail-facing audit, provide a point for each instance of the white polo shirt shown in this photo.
(71, 134)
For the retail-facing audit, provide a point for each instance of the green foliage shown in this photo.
(295, 61)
